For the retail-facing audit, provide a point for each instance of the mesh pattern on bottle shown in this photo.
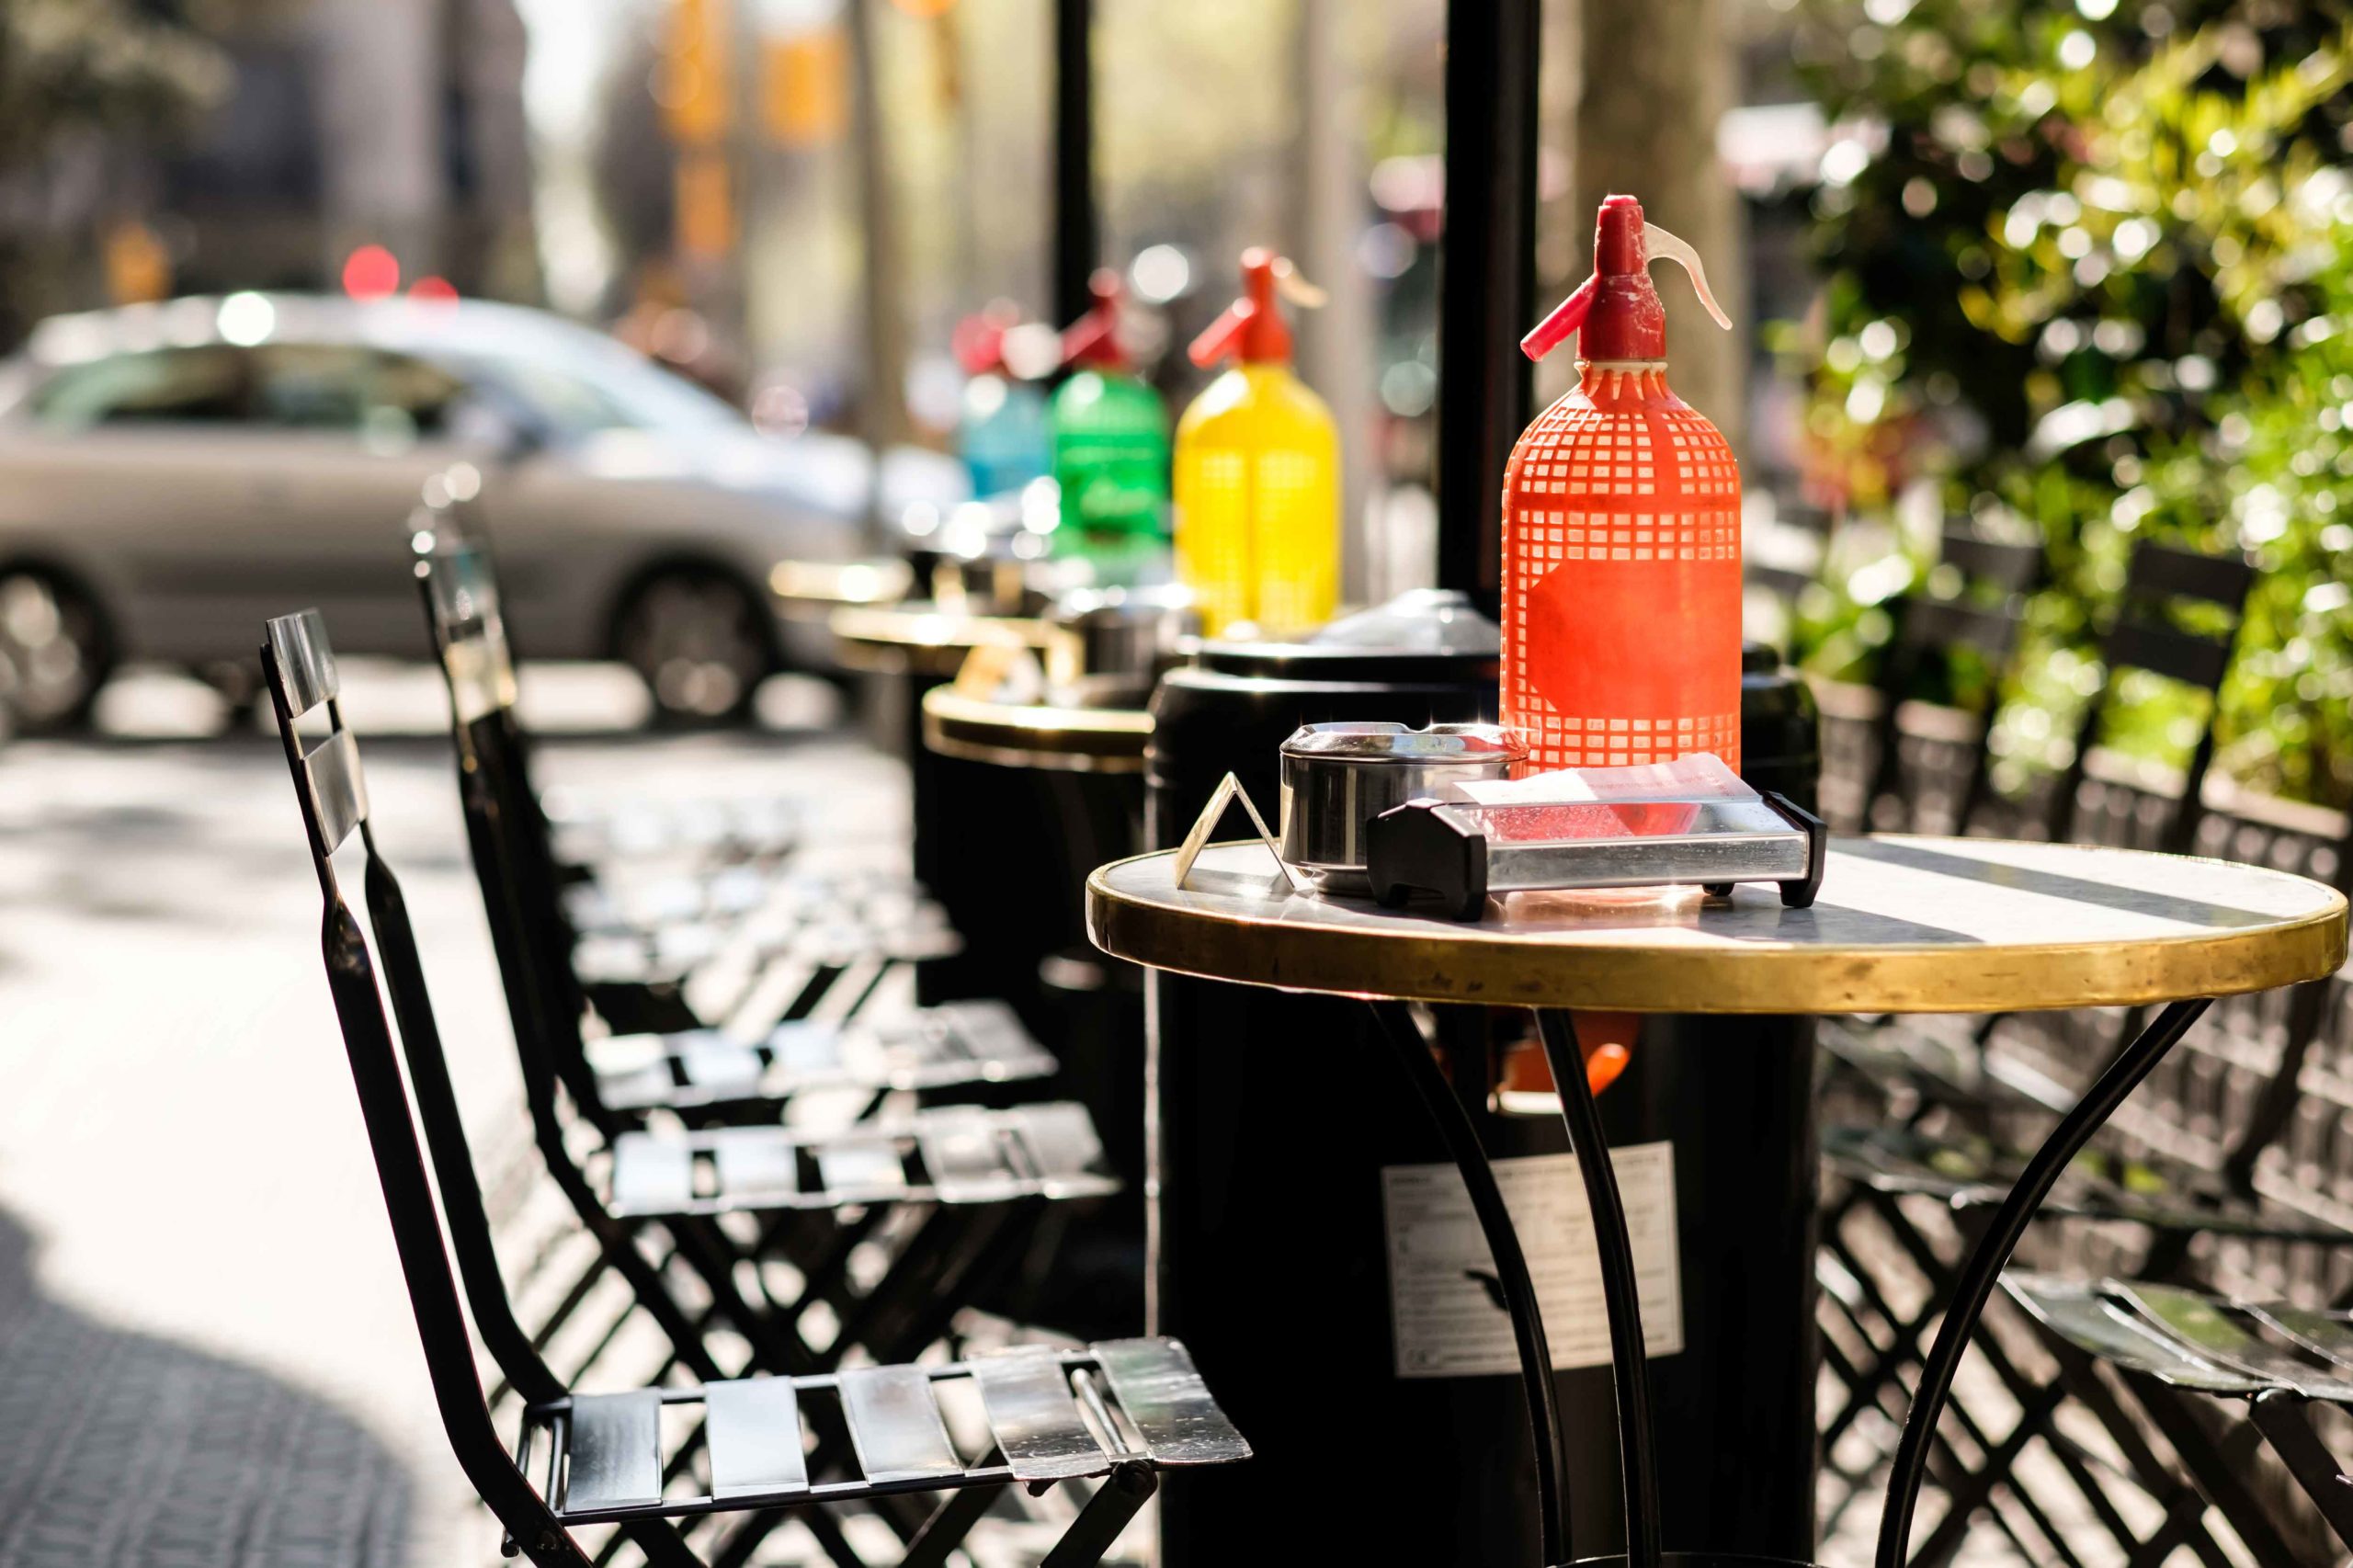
(1620, 471)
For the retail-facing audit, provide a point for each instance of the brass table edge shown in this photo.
(1749, 978)
(1073, 740)
(879, 640)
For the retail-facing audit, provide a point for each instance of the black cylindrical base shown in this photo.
(1734, 1097)
(1276, 1116)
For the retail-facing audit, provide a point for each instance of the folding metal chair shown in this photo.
(1874, 1344)
(756, 1446)
(1945, 1103)
(2146, 635)
(723, 836)
(2169, 1344)
(1972, 606)
(636, 943)
(958, 1193)
(1918, 1067)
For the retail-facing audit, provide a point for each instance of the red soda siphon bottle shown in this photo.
(1621, 591)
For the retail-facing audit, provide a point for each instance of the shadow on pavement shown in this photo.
(123, 1450)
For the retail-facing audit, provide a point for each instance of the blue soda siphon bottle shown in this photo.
(1001, 429)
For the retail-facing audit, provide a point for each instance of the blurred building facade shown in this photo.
(354, 122)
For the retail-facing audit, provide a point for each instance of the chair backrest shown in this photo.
(1983, 612)
(300, 669)
(506, 830)
(2145, 636)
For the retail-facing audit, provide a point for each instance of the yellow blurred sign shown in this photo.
(804, 88)
(925, 8)
(690, 82)
(705, 216)
(139, 268)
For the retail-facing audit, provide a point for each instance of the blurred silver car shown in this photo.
(172, 475)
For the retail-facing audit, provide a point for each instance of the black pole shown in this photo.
(1076, 242)
(1486, 280)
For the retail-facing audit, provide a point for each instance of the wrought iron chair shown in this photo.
(961, 1191)
(1119, 1411)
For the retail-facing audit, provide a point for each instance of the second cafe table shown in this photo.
(1903, 925)
(1071, 766)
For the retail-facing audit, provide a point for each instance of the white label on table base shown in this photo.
(1444, 1305)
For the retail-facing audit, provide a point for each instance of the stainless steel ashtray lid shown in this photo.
(1338, 777)
(1386, 741)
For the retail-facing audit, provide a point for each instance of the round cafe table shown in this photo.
(1902, 924)
(904, 651)
(1053, 736)
(925, 640)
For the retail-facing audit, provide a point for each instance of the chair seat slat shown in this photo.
(1164, 1396)
(615, 1452)
(650, 1175)
(990, 1034)
(862, 1171)
(964, 1154)
(1060, 1139)
(717, 1065)
(1026, 1395)
(304, 659)
(895, 1426)
(753, 1427)
(2079, 1314)
(2327, 1336)
(338, 790)
(2206, 1326)
(755, 1162)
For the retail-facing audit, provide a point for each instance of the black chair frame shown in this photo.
(954, 1251)
(332, 794)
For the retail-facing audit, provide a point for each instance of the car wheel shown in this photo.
(701, 642)
(55, 648)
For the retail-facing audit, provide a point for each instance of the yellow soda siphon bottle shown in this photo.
(1257, 470)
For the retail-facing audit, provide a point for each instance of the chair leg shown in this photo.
(660, 1541)
(948, 1525)
(1123, 1491)
(2281, 1418)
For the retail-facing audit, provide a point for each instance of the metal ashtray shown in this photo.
(1337, 778)
(1688, 822)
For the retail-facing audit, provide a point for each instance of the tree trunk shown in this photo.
(1658, 78)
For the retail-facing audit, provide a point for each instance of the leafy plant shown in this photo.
(2084, 266)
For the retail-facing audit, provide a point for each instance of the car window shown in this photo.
(580, 383)
(386, 399)
(571, 404)
(208, 385)
(342, 388)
